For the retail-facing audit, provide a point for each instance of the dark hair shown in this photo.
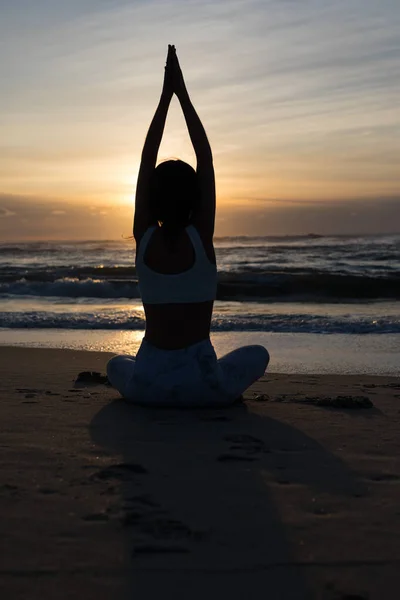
(174, 194)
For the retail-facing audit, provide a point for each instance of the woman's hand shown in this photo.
(177, 77)
(168, 86)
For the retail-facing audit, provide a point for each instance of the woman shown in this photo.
(173, 227)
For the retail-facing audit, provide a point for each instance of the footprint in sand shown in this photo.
(159, 532)
(244, 448)
(32, 392)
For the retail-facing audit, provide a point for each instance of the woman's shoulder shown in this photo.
(207, 243)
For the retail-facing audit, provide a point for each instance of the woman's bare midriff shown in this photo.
(174, 326)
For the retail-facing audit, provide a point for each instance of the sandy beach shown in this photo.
(288, 496)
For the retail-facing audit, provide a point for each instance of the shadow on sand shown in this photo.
(193, 495)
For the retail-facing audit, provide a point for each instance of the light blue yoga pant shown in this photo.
(188, 377)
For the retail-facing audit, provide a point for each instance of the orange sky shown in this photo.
(300, 102)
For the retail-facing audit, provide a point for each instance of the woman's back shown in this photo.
(169, 275)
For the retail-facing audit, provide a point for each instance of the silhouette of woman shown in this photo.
(176, 364)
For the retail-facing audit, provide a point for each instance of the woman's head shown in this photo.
(174, 193)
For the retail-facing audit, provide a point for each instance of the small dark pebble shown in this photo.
(261, 398)
(91, 377)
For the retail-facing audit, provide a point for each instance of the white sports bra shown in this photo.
(197, 284)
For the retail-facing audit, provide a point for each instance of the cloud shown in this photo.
(288, 91)
(257, 216)
(36, 218)
(5, 212)
(326, 217)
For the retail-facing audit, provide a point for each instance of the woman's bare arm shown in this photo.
(204, 217)
(151, 146)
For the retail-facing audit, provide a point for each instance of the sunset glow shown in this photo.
(299, 100)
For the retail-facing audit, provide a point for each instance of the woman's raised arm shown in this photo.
(151, 146)
(204, 217)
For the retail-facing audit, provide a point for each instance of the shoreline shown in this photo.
(320, 353)
(100, 498)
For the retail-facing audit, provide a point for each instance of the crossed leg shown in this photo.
(120, 371)
(242, 367)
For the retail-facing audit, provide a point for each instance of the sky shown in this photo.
(299, 99)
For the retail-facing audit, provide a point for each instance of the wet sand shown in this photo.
(291, 495)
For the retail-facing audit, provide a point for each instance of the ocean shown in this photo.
(320, 288)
